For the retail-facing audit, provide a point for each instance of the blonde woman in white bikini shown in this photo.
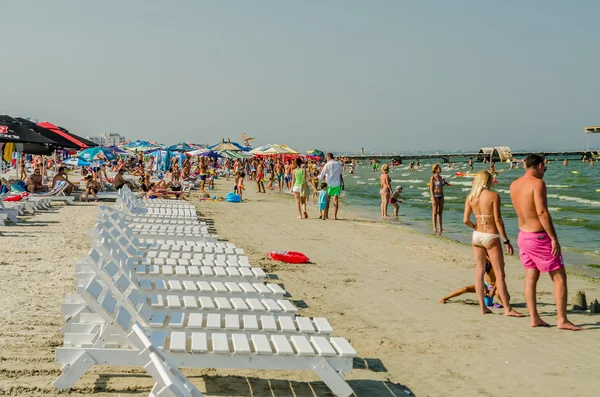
(487, 231)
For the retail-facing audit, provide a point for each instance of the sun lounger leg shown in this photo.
(334, 380)
(71, 373)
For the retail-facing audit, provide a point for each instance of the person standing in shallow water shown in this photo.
(436, 189)
(385, 190)
(539, 248)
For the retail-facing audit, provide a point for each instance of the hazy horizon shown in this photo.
(386, 76)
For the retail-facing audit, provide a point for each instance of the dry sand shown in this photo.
(377, 283)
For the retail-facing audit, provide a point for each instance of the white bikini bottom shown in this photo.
(483, 239)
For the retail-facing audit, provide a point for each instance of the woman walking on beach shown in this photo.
(487, 230)
(385, 190)
(299, 178)
(436, 189)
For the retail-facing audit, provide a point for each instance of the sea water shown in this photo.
(573, 201)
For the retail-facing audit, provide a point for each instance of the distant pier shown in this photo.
(478, 157)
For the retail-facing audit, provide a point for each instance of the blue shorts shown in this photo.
(322, 206)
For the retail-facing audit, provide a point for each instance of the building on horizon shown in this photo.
(107, 139)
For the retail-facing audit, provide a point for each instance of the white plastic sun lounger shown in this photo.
(57, 193)
(126, 194)
(106, 343)
(226, 267)
(8, 212)
(143, 220)
(170, 381)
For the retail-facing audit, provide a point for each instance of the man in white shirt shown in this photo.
(332, 173)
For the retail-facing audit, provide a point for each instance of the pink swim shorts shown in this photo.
(535, 250)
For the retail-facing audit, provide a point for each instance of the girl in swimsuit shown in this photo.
(436, 189)
(385, 191)
(487, 230)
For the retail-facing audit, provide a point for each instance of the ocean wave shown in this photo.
(361, 183)
(372, 179)
(465, 189)
(575, 199)
(554, 209)
(461, 183)
(409, 180)
(558, 186)
(406, 174)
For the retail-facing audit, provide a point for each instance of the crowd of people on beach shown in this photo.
(323, 180)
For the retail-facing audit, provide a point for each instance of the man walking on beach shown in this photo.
(332, 173)
(538, 243)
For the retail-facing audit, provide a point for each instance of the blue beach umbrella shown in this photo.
(181, 147)
(94, 153)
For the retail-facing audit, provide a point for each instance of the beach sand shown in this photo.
(377, 283)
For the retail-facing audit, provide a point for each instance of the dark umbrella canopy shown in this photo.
(79, 138)
(11, 130)
(58, 140)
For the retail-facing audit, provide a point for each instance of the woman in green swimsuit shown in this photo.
(299, 177)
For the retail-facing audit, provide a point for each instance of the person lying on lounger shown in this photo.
(155, 192)
(490, 283)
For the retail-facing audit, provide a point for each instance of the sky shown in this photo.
(339, 75)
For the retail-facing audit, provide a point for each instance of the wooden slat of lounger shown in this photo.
(250, 322)
(213, 321)
(287, 324)
(195, 320)
(178, 342)
(239, 304)
(282, 345)
(268, 323)
(220, 343)
(199, 342)
(240, 344)
(261, 344)
(176, 320)
(322, 346)
(232, 322)
(305, 325)
(343, 348)
(323, 325)
(190, 302)
(302, 345)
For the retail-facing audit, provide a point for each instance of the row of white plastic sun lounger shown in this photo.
(162, 302)
(10, 210)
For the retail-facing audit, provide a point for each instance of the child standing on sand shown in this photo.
(240, 184)
(395, 199)
(322, 200)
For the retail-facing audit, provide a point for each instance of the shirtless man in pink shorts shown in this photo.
(538, 243)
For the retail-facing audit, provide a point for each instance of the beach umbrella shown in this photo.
(235, 155)
(76, 162)
(58, 140)
(224, 146)
(180, 147)
(197, 152)
(289, 149)
(11, 130)
(81, 143)
(260, 149)
(315, 153)
(95, 153)
(276, 149)
(118, 151)
(211, 154)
